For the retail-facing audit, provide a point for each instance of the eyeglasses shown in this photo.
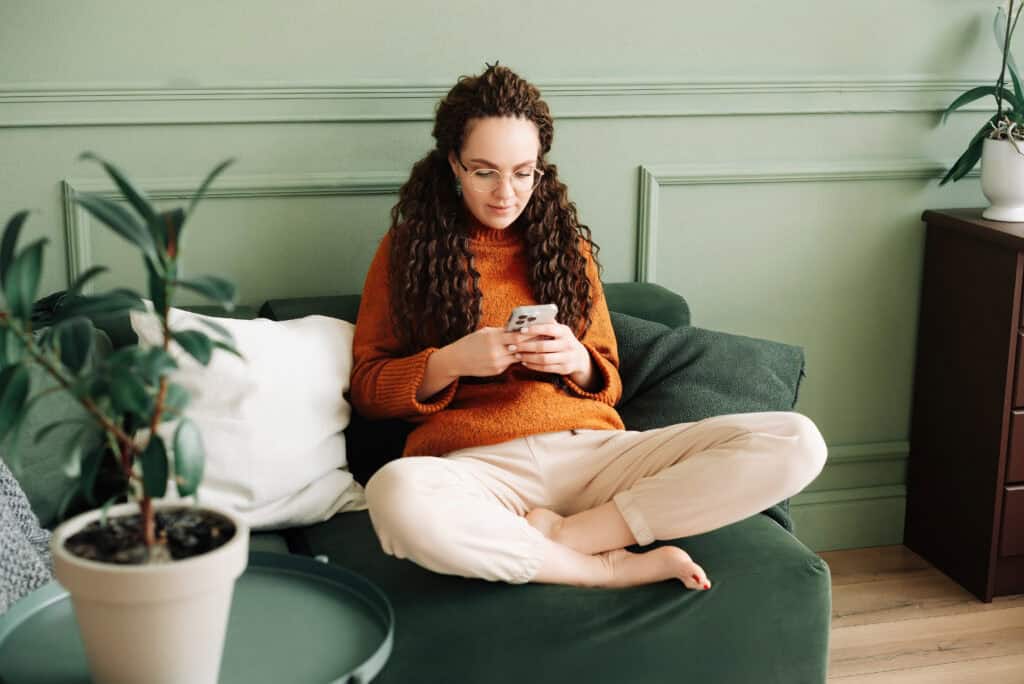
(489, 180)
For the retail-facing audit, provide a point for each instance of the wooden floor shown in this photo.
(898, 620)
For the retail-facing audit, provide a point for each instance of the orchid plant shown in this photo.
(1005, 124)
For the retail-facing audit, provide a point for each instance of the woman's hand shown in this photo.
(559, 352)
(484, 352)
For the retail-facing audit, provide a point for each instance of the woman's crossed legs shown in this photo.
(559, 507)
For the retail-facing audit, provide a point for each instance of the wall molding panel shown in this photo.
(78, 223)
(99, 104)
(653, 177)
(858, 500)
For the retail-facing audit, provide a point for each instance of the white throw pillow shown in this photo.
(272, 423)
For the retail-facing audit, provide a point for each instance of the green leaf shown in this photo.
(155, 468)
(978, 93)
(189, 457)
(175, 402)
(125, 357)
(89, 385)
(206, 184)
(90, 467)
(228, 348)
(121, 222)
(965, 163)
(216, 327)
(169, 227)
(65, 501)
(14, 387)
(46, 339)
(118, 301)
(153, 363)
(76, 446)
(75, 336)
(45, 431)
(129, 394)
(138, 199)
(157, 289)
(105, 509)
(80, 282)
(73, 462)
(971, 156)
(21, 281)
(11, 347)
(195, 343)
(10, 241)
(999, 28)
(218, 289)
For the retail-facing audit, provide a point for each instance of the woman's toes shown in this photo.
(691, 574)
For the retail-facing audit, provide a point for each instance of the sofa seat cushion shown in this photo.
(765, 619)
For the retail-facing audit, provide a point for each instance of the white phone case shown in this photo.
(530, 314)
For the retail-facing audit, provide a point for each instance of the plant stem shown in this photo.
(1002, 69)
(146, 503)
(148, 521)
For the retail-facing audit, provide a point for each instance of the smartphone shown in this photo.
(530, 314)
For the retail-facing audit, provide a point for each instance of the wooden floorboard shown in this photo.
(896, 619)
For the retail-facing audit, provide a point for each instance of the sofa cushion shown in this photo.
(765, 619)
(674, 375)
(272, 420)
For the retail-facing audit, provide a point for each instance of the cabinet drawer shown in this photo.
(1018, 379)
(1015, 448)
(1011, 541)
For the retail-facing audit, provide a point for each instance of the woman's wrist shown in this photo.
(584, 377)
(438, 374)
(445, 360)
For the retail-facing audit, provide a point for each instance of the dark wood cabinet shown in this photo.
(965, 476)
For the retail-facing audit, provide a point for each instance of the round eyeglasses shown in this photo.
(489, 180)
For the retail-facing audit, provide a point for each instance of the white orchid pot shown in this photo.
(159, 623)
(1002, 180)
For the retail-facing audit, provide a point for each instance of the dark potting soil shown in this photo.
(181, 532)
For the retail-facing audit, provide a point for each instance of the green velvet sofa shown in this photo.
(766, 619)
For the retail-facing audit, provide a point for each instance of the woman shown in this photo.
(519, 468)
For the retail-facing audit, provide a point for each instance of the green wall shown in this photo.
(768, 160)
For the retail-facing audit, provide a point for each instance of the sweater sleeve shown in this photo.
(383, 383)
(599, 340)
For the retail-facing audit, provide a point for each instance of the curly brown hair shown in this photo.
(434, 286)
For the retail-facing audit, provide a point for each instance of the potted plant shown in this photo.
(998, 142)
(150, 582)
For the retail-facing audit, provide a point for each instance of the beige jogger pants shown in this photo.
(463, 513)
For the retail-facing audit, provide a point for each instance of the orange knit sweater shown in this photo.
(467, 413)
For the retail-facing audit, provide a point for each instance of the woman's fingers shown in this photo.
(557, 362)
(541, 347)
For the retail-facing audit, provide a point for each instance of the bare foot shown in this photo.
(628, 569)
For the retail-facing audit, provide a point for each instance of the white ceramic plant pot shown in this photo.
(1002, 180)
(160, 624)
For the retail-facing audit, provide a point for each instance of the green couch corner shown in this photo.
(765, 620)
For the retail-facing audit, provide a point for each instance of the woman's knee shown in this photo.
(806, 461)
(398, 499)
